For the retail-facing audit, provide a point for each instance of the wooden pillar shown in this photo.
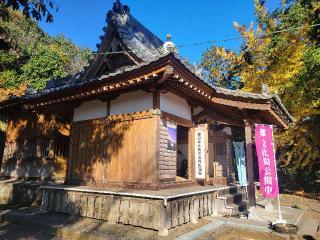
(156, 99)
(207, 177)
(191, 155)
(70, 156)
(249, 156)
(108, 107)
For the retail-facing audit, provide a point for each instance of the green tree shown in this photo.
(36, 9)
(47, 62)
(31, 57)
(283, 52)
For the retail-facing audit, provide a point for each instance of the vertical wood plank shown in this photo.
(174, 213)
(63, 208)
(45, 200)
(169, 215)
(181, 213)
(98, 207)
(104, 208)
(205, 205)
(114, 209)
(91, 206)
(83, 205)
(194, 211)
(201, 206)
(51, 201)
(186, 210)
(209, 204)
(124, 217)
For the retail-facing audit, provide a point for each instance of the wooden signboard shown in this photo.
(200, 156)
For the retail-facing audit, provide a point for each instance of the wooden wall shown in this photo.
(117, 151)
(36, 146)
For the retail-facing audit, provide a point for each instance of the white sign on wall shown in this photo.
(200, 152)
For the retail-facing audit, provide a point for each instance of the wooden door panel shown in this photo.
(114, 152)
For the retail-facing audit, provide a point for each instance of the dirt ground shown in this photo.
(300, 202)
(95, 229)
(240, 234)
(13, 231)
(90, 229)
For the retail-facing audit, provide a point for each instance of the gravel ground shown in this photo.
(229, 233)
(90, 229)
(103, 230)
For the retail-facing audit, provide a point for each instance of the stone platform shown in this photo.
(159, 210)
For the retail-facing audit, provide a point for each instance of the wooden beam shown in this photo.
(250, 170)
(179, 120)
(239, 104)
(217, 117)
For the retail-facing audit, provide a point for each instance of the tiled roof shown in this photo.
(148, 47)
(137, 38)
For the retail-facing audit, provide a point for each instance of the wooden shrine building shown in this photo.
(137, 129)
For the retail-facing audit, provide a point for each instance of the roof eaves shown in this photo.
(278, 101)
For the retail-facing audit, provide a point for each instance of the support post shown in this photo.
(207, 177)
(249, 156)
(156, 99)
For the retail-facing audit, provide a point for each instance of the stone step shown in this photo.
(233, 198)
(235, 209)
(238, 207)
(231, 190)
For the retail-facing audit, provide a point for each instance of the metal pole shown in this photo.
(280, 220)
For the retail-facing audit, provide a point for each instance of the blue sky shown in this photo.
(189, 21)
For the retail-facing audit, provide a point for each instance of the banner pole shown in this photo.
(280, 220)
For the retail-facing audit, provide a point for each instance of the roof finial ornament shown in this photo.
(119, 8)
(169, 46)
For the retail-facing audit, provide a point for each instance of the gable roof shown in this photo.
(142, 49)
(137, 38)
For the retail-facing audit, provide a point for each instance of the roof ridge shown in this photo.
(137, 37)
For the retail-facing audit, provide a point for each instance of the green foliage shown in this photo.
(289, 62)
(221, 67)
(32, 57)
(47, 62)
(9, 79)
(36, 9)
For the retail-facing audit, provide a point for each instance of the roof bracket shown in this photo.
(168, 72)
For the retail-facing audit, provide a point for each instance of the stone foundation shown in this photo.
(19, 192)
(158, 214)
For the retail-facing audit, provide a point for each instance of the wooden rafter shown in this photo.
(217, 117)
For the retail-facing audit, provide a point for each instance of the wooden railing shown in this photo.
(37, 148)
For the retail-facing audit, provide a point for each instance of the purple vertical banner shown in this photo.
(266, 158)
